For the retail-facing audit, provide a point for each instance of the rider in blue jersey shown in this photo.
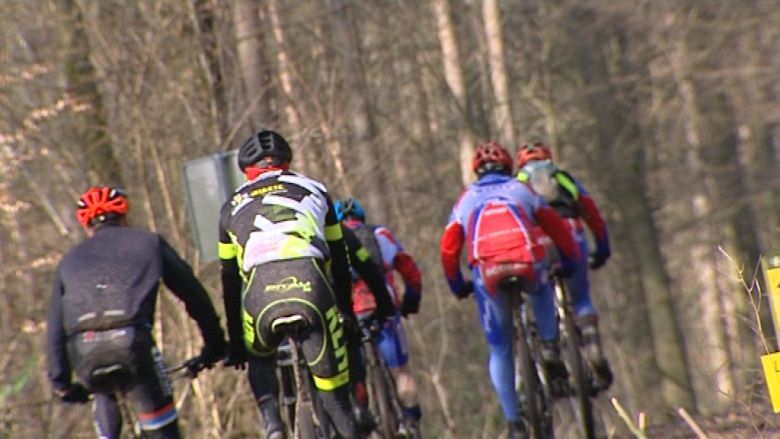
(497, 218)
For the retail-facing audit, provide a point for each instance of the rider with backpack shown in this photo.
(569, 198)
(387, 253)
(497, 218)
(101, 316)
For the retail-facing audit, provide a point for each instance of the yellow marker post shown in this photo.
(772, 268)
(771, 362)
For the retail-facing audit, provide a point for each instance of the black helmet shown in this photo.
(265, 143)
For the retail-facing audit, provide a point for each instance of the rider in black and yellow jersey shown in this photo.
(279, 235)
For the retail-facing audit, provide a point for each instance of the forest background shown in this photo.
(666, 110)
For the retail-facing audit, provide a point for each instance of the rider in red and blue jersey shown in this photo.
(497, 217)
(384, 249)
(573, 203)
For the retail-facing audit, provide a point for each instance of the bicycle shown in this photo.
(117, 379)
(382, 395)
(582, 376)
(531, 380)
(303, 411)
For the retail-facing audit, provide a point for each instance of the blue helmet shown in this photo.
(349, 208)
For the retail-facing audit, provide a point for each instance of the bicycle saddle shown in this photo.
(290, 325)
(111, 378)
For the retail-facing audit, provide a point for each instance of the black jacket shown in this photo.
(119, 270)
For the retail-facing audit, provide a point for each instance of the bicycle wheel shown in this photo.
(530, 387)
(381, 403)
(577, 367)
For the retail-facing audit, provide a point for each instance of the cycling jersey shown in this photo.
(280, 215)
(279, 233)
(392, 257)
(575, 204)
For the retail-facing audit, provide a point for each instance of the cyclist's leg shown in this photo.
(265, 388)
(392, 345)
(326, 353)
(152, 398)
(108, 419)
(578, 284)
(496, 318)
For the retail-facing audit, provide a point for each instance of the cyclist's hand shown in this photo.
(565, 267)
(210, 355)
(351, 327)
(465, 290)
(597, 259)
(73, 394)
(410, 303)
(236, 356)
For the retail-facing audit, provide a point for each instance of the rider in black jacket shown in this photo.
(102, 311)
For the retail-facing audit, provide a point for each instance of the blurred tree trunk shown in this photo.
(293, 107)
(363, 135)
(91, 128)
(255, 69)
(738, 231)
(619, 141)
(211, 61)
(498, 72)
(453, 73)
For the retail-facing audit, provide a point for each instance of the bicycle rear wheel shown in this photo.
(381, 403)
(530, 387)
(582, 384)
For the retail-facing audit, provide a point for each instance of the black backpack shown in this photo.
(366, 236)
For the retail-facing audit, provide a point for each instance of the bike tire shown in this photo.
(533, 409)
(305, 427)
(380, 394)
(580, 377)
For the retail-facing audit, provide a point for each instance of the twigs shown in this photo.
(638, 428)
(694, 426)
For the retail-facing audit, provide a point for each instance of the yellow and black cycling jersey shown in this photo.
(280, 215)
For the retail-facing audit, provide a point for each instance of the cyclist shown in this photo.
(279, 234)
(377, 305)
(388, 253)
(572, 202)
(102, 311)
(497, 217)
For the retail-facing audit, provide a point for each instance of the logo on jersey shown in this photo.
(287, 284)
(267, 190)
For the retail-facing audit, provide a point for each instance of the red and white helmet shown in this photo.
(98, 203)
(491, 156)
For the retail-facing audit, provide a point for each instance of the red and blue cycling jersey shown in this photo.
(497, 217)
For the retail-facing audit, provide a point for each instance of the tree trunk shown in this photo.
(91, 128)
(211, 61)
(371, 177)
(453, 73)
(619, 144)
(498, 72)
(255, 71)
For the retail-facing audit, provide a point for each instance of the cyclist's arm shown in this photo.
(231, 287)
(179, 278)
(56, 340)
(451, 246)
(339, 261)
(369, 272)
(552, 224)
